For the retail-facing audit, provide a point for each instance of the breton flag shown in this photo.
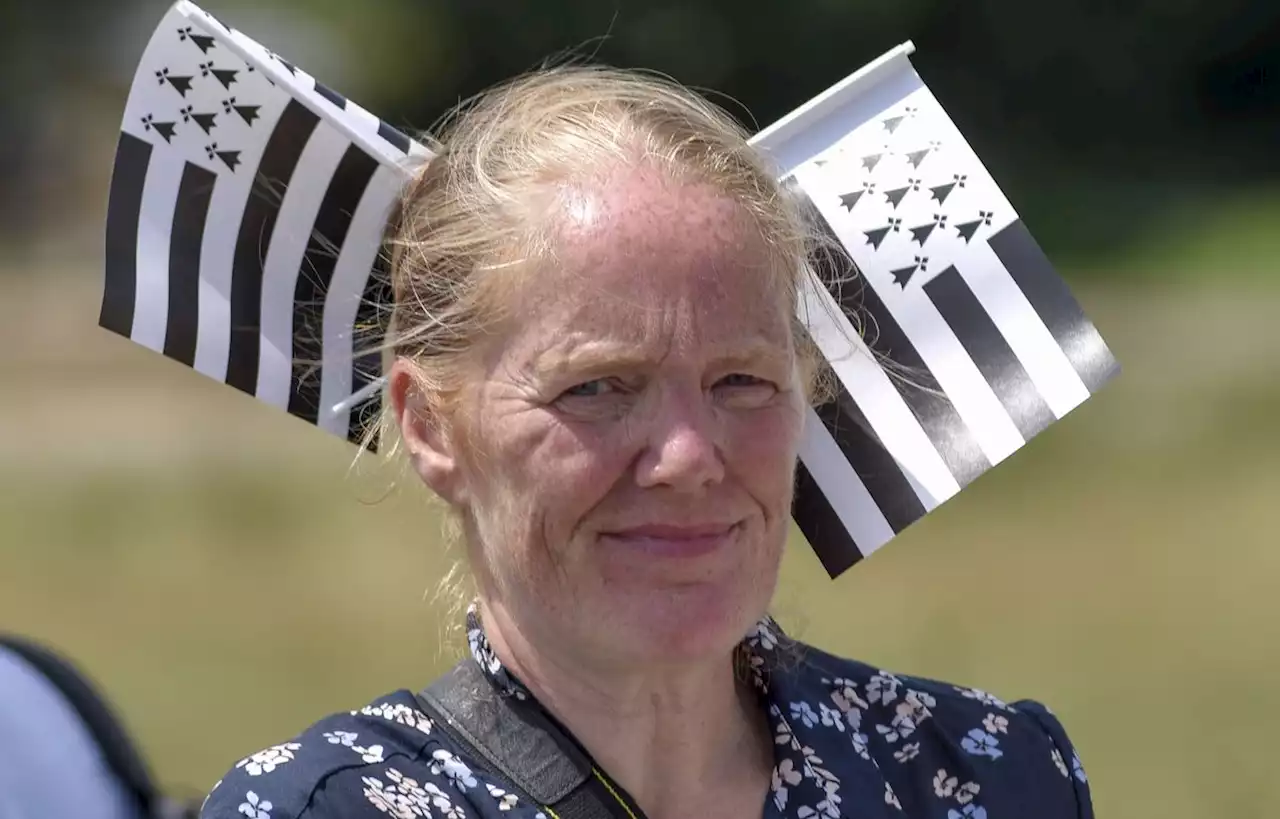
(249, 203)
(246, 214)
(952, 338)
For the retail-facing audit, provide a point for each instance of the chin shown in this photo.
(683, 609)
(687, 623)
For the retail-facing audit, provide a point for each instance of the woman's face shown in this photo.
(629, 448)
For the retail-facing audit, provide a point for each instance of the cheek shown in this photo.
(578, 467)
(761, 451)
(553, 474)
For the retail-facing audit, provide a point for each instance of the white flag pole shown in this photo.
(363, 394)
(791, 140)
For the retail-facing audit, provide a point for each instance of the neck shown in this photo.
(673, 736)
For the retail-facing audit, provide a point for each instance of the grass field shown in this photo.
(226, 581)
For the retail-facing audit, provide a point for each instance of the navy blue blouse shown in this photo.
(851, 741)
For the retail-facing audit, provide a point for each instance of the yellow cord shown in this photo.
(609, 787)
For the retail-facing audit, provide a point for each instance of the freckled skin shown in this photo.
(647, 376)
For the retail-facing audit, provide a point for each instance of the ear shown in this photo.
(431, 448)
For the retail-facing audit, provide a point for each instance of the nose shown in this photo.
(683, 447)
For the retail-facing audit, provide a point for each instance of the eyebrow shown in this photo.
(597, 358)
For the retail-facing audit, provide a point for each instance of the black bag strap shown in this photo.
(119, 751)
(522, 744)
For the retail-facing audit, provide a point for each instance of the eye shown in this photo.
(743, 380)
(588, 389)
(745, 391)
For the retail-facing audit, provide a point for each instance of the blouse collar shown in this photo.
(803, 784)
(760, 646)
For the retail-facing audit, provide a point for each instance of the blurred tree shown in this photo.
(28, 35)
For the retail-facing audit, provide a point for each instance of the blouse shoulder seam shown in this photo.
(305, 812)
(820, 662)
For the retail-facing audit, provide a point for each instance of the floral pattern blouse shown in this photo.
(851, 741)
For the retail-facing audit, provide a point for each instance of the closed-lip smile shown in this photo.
(673, 540)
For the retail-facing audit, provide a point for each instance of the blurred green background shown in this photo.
(226, 578)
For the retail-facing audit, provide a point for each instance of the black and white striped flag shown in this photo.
(248, 206)
(985, 345)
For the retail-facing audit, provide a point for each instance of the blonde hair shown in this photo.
(475, 210)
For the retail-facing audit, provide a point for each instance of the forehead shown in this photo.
(641, 210)
(637, 238)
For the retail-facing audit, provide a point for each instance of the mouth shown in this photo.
(665, 541)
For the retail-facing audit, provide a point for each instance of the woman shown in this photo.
(598, 368)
